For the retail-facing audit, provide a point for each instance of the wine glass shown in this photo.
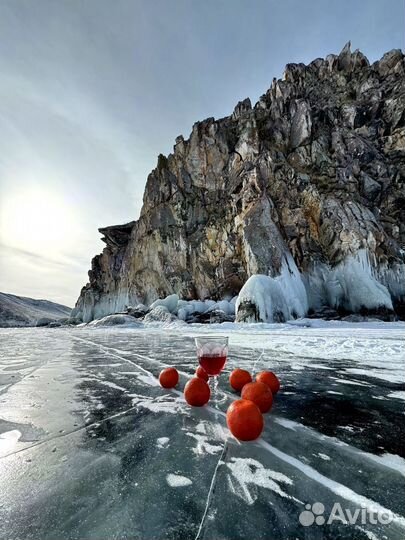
(212, 352)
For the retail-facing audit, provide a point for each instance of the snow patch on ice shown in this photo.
(389, 375)
(174, 406)
(347, 428)
(203, 446)
(148, 379)
(250, 474)
(351, 383)
(392, 461)
(176, 480)
(161, 442)
(105, 383)
(206, 432)
(321, 366)
(112, 385)
(400, 394)
(103, 365)
(289, 424)
(8, 440)
(370, 535)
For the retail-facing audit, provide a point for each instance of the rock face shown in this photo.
(310, 179)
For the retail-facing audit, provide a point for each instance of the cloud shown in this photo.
(29, 274)
(37, 259)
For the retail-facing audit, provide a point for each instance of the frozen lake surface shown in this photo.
(91, 447)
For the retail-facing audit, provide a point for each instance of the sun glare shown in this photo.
(38, 221)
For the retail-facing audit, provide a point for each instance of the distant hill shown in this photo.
(21, 311)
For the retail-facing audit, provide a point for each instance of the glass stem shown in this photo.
(213, 384)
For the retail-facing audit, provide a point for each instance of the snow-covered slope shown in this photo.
(22, 311)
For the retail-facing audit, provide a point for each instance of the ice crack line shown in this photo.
(14, 384)
(113, 354)
(211, 489)
(257, 359)
(67, 433)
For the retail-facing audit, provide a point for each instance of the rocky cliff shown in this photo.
(306, 186)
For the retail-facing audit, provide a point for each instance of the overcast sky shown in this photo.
(91, 91)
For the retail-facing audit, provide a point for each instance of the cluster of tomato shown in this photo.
(244, 416)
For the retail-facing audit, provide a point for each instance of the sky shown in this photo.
(91, 91)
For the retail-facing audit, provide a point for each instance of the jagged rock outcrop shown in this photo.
(311, 178)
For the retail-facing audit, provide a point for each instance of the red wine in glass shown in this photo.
(212, 352)
(213, 365)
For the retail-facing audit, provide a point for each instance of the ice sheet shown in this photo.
(91, 444)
